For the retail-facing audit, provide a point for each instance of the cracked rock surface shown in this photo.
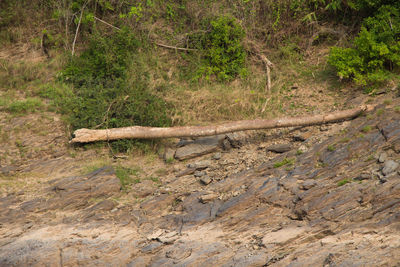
(336, 203)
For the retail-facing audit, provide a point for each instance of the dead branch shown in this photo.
(106, 23)
(139, 132)
(77, 29)
(176, 48)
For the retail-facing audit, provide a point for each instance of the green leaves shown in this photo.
(104, 96)
(375, 51)
(224, 55)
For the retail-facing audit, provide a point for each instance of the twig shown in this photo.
(77, 29)
(176, 48)
(108, 24)
(265, 105)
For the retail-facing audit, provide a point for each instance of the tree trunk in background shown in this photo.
(139, 132)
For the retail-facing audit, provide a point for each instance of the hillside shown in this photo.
(323, 195)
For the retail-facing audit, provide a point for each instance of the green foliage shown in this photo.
(28, 105)
(125, 176)
(103, 96)
(331, 148)
(224, 55)
(343, 182)
(285, 161)
(375, 51)
(366, 129)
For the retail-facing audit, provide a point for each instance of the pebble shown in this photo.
(216, 156)
(363, 176)
(208, 197)
(200, 173)
(279, 148)
(389, 167)
(382, 157)
(324, 128)
(308, 184)
(206, 180)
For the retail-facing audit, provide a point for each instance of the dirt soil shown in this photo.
(332, 199)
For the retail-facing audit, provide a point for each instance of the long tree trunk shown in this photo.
(139, 132)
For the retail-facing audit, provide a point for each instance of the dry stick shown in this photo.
(77, 30)
(139, 132)
(108, 24)
(176, 48)
(268, 64)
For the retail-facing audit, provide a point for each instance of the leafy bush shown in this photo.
(102, 96)
(224, 55)
(375, 51)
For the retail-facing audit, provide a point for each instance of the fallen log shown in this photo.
(140, 132)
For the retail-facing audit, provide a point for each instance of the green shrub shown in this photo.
(375, 51)
(224, 55)
(103, 96)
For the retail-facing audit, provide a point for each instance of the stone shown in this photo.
(396, 147)
(302, 148)
(187, 171)
(206, 180)
(236, 139)
(226, 145)
(200, 173)
(199, 147)
(216, 156)
(324, 128)
(152, 247)
(279, 148)
(200, 165)
(169, 155)
(308, 184)
(105, 205)
(178, 253)
(389, 167)
(382, 157)
(363, 176)
(208, 197)
(168, 238)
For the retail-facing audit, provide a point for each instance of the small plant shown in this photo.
(360, 135)
(366, 129)
(224, 55)
(154, 179)
(169, 160)
(299, 152)
(331, 148)
(345, 140)
(284, 162)
(397, 109)
(370, 157)
(125, 176)
(387, 102)
(380, 111)
(343, 182)
(28, 105)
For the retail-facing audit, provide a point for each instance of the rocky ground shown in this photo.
(316, 196)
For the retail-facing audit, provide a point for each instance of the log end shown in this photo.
(81, 136)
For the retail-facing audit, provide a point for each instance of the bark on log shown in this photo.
(139, 132)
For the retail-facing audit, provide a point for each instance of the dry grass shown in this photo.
(301, 85)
